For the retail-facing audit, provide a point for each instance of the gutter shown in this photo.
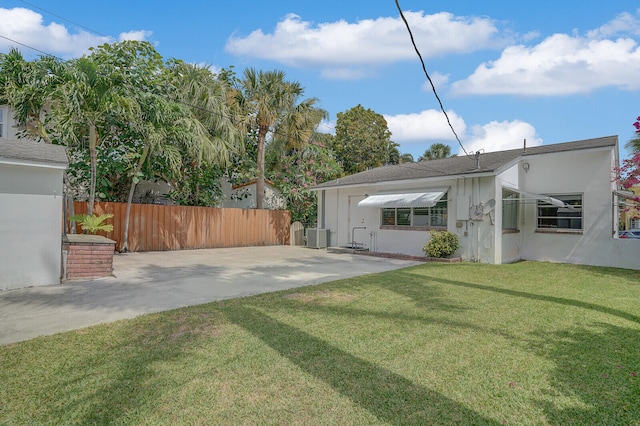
(404, 181)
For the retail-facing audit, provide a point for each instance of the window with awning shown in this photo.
(410, 209)
(532, 196)
(404, 199)
(568, 216)
(557, 212)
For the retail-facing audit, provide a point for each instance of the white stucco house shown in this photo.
(550, 203)
(240, 196)
(7, 128)
(243, 196)
(31, 198)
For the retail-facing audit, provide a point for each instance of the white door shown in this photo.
(356, 227)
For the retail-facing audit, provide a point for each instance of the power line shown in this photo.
(64, 19)
(220, 115)
(28, 47)
(212, 112)
(215, 113)
(424, 68)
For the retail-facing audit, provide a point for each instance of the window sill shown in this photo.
(413, 228)
(510, 231)
(559, 231)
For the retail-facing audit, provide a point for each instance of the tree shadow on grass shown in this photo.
(117, 381)
(600, 367)
(388, 396)
(597, 365)
(560, 300)
(631, 276)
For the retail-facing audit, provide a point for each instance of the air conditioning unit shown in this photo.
(316, 238)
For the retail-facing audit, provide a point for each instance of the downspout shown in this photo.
(476, 184)
(322, 209)
(338, 217)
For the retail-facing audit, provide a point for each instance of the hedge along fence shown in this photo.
(155, 227)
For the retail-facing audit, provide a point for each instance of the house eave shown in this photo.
(18, 162)
(407, 181)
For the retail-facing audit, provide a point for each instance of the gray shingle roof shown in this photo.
(489, 162)
(33, 152)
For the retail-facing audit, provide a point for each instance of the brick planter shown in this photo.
(87, 256)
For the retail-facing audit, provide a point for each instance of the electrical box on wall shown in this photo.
(475, 212)
(463, 203)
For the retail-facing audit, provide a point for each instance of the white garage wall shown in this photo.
(30, 226)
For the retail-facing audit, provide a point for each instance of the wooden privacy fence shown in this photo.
(155, 227)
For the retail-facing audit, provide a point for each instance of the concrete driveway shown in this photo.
(159, 281)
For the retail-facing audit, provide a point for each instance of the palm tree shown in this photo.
(633, 144)
(207, 98)
(27, 87)
(270, 104)
(193, 125)
(436, 151)
(86, 105)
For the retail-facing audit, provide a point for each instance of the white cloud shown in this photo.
(137, 35)
(499, 136)
(624, 23)
(27, 28)
(345, 73)
(440, 81)
(341, 45)
(327, 126)
(562, 64)
(426, 125)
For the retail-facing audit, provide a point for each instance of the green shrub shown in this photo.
(441, 244)
(93, 224)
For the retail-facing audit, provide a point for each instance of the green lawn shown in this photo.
(527, 343)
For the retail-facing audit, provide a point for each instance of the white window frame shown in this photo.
(545, 214)
(405, 217)
(510, 210)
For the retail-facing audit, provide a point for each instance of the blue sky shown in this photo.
(544, 71)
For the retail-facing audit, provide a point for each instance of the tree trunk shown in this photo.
(262, 136)
(69, 208)
(93, 157)
(124, 247)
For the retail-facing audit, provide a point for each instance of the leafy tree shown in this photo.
(363, 140)
(300, 170)
(210, 104)
(27, 87)
(629, 171)
(270, 104)
(87, 106)
(394, 155)
(138, 116)
(436, 151)
(181, 121)
(406, 158)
